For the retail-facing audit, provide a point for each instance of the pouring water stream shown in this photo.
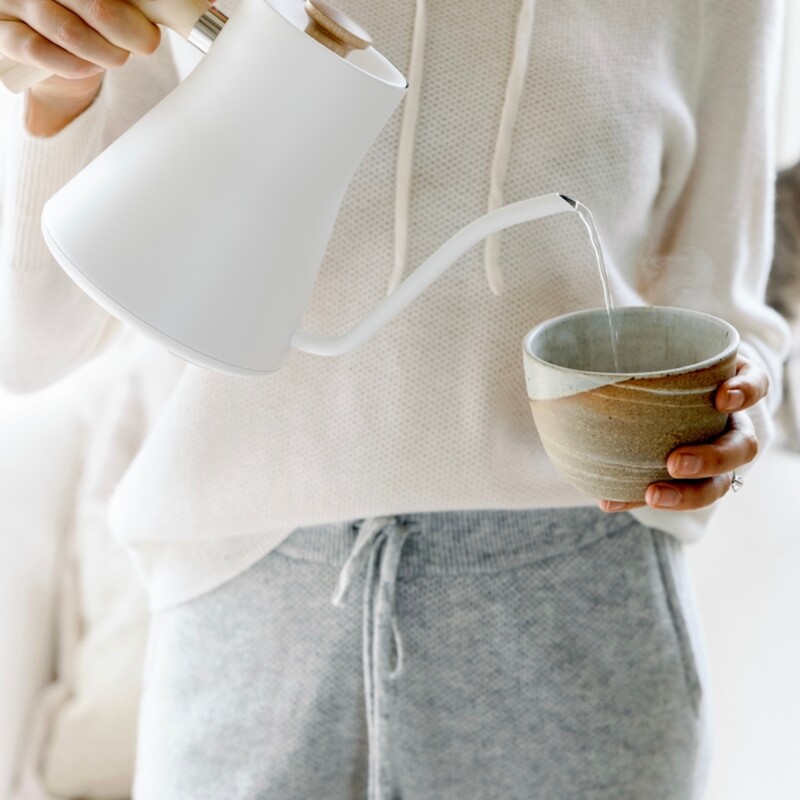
(421, 278)
(586, 217)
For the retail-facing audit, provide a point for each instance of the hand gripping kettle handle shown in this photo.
(195, 20)
(412, 287)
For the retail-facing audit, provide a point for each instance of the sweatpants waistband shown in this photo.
(461, 542)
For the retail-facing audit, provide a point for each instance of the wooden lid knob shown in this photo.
(334, 29)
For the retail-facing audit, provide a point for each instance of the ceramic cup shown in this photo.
(608, 431)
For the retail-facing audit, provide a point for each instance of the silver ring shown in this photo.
(736, 482)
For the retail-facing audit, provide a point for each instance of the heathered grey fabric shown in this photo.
(534, 655)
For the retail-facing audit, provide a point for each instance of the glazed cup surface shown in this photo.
(609, 431)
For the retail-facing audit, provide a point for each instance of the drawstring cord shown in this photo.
(378, 545)
(502, 151)
(358, 556)
(405, 150)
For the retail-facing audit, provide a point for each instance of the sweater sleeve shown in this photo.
(715, 249)
(48, 326)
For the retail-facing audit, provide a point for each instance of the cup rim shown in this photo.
(732, 347)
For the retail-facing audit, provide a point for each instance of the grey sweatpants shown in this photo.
(533, 655)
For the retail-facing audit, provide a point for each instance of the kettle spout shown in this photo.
(415, 284)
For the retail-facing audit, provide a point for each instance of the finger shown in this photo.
(736, 447)
(71, 33)
(613, 506)
(119, 22)
(24, 45)
(745, 389)
(687, 495)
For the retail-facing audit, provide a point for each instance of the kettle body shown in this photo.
(205, 224)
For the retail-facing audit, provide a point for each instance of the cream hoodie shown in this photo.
(658, 116)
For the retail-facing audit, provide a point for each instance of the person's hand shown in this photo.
(704, 471)
(76, 40)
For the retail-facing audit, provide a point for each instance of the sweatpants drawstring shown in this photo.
(378, 545)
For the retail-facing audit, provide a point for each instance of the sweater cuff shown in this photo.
(66, 152)
(37, 167)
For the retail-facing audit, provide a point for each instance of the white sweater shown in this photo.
(657, 116)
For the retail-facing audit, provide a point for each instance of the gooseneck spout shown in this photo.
(419, 280)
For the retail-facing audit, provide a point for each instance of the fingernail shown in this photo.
(666, 497)
(614, 505)
(733, 400)
(688, 465)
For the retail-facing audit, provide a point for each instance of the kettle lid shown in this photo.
(340, 34)
(335, 29)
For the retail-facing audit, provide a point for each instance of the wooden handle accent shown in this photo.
(180, 15)
(334, 29)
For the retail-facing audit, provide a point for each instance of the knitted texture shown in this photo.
(659, 119)
(539, 654)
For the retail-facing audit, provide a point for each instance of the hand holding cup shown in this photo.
(619, 426)
(703, 472)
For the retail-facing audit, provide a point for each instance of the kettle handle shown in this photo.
(412, 287)
(195, 20)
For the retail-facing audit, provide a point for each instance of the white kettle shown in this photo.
(204, 225)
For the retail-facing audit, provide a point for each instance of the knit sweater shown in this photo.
(659, 117)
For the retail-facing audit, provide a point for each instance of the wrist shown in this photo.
(56, 102)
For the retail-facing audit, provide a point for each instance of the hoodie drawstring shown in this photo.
(378, 545)
(508, 118)
(405, 150)
(502, 152)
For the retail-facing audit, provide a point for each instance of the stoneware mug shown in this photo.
(608, 430)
